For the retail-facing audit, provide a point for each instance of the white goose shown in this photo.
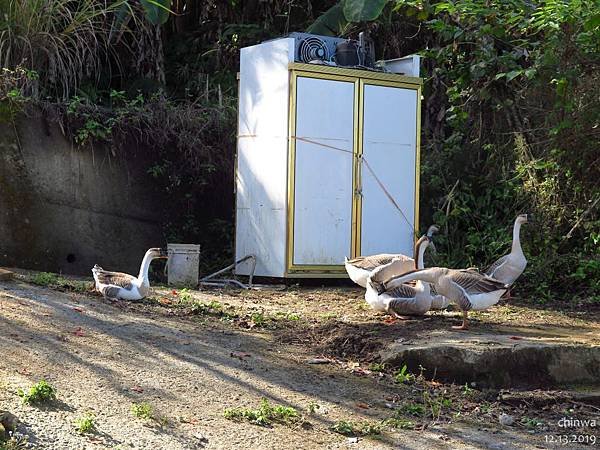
(361, 267)
(402, 299)
(116, 285)
(510, 267)
(467, 288)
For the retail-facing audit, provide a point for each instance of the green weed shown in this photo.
(403, 376)
(377, 367)
(265, 415)
(399, 423)
(414, 409)
(54, 281)
(347, 428)
(85, 424)
(531, 422)
(40, 392)
(185, 295)
(142, 410)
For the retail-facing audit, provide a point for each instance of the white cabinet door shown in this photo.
(389, 151)
(322, 222)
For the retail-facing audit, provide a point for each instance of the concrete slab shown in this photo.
(508, 358)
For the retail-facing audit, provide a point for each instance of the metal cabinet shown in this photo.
(327, 166)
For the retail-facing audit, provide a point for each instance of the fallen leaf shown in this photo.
(390, 321)
(76, 308)
(24, 371)
(516, 338)
(362, 405)
(239, 355)
(174, 292)
(137, 389)
(79, 332)
(164, 301)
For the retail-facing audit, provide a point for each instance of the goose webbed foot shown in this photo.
(464, 325)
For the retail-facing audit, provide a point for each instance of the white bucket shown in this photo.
(182, 266)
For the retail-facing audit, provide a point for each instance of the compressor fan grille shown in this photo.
(313, 48)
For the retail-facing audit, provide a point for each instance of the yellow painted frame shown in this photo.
(360, 78)
(303, 270)
(401, 85)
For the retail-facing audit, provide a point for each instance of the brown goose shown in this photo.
(403, 299)
(122, 285)
(466, 288)
(361, 267)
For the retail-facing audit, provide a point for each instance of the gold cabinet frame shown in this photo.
(359, 78)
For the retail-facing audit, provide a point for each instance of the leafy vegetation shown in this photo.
(86, 423)
(265, 415)
(55, 281)
(39, 393)
(356, 429)
(142, 410)
(403, 376)
(509, 118)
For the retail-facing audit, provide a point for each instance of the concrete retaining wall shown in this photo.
(65, 209)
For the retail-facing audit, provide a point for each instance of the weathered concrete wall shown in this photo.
(65, 209)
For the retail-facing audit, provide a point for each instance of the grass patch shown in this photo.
(85, 424)
(403, 376)
(55, 281)
(212, 308)
(40, 392)
(531, 423)
(265, 415)
(347, 428)
(294, 317)
(377, 367)
(142, 410)
(414, 409)
(399, 423)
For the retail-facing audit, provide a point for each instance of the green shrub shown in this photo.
(40, 392)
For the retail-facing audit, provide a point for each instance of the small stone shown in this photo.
(506, 419)
(319, 361)
(352, 440)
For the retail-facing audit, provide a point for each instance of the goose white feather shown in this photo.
(510, 267)
(124, 286)
(466, 288)
(359, 269)
(402, 299)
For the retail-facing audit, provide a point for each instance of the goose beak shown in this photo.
(530, 218)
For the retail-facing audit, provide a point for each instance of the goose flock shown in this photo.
(386, 278)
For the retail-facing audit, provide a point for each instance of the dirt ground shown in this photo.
(191, 355)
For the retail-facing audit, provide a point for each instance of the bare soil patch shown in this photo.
(191, 355)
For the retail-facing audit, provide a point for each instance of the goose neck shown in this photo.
(143, 275)
(516, 243)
